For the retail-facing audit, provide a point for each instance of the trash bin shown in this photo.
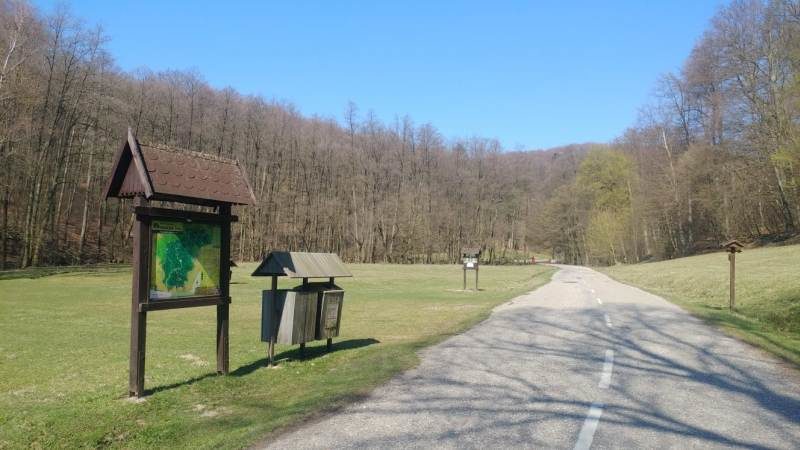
(307, 312)
(329, 312)
(292, 312)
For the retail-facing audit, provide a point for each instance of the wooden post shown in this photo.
(223, 309)
(273, 336)
(139, 295)
(303, 344)
(732, 259)
(464, 267)
(329, 343)
(476, 277)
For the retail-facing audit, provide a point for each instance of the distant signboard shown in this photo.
(185, 259)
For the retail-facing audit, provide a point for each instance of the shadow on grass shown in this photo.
(310, 353)
(293, 354)
(166, 387)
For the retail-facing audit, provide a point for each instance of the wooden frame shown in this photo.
(141, 303)
(470, 260)
(158, 173)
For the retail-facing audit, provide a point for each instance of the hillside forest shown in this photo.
(714, 154)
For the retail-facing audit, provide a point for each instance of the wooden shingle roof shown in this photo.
(471, 252)
(302, 265)
(169, 174)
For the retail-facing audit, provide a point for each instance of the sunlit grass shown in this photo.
(64, 355)
(767, 310)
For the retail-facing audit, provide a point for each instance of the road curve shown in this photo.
(582, 362)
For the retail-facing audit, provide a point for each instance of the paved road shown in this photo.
(582, 362)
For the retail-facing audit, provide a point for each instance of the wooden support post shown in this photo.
(464, 267)
(223, 309)
(732, 259)
(274, 335)
(329, 343)
(303, 344)
(476, 277)
(139, 295)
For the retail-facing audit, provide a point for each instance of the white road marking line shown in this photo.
(608, 367)
(586, 435)
(599, 301)
(608, 321)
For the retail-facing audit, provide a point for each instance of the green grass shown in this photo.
(767, 311)
(64, 355)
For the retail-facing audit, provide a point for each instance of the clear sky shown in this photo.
(531, 74)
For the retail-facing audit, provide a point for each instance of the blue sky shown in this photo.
(531, 74)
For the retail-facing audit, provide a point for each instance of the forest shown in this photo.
(714, 155)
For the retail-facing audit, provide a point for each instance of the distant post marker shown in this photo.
(469, 257)
(733, 247)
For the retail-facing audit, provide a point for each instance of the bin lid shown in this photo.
(302, 265)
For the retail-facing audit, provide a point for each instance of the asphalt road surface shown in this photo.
(583, 362)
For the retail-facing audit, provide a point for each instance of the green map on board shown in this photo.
(185, 260)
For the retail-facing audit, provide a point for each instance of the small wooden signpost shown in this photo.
(733, 247)
(180, 258)
(470, 257)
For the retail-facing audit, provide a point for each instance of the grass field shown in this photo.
(64, 355)
(767, 310)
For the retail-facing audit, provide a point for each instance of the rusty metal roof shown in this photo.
(165, 173)
(302, 265)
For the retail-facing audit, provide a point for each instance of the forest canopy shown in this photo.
(714, 155)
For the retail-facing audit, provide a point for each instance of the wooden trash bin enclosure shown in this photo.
(308, 312)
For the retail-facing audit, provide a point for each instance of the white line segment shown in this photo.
(599, 301)
(608, 321)
(589, 427)
(608, 367)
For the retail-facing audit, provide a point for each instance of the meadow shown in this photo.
(767, 310)
(64, 337)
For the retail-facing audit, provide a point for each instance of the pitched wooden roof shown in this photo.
(164, 173)
(733, 243)
(302, 265)
(471, 252)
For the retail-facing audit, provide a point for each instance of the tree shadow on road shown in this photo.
(519, 395)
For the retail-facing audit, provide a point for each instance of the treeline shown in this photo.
(368, 190)
(714, 157)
